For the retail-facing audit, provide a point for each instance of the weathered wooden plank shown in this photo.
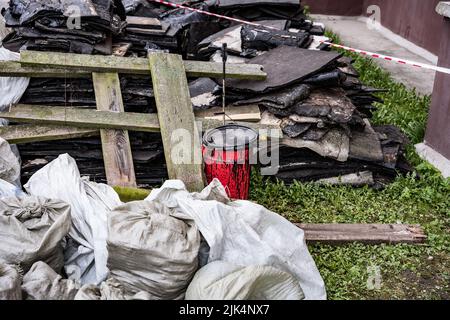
(134, 65)
(180, 135)
(249, 113)
(35, 133)
(143, 22)
(119, 166)
(27, 133)
(83, 118)
(15, 69)
(120, 49)
(233, 71)
(60, 123)
(364, 233)
(149, 32)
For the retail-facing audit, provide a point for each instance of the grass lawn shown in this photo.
(407, 272)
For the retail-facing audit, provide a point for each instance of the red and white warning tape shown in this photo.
(388, 58)
(174, 5)
(362, 52)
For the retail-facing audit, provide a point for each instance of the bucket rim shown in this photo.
(209, 144)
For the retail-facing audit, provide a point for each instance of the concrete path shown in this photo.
(355, 33)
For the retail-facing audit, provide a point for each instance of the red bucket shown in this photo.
(226, 153)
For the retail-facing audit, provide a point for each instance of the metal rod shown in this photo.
(224, 60)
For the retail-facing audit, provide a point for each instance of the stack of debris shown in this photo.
(322, 107)
(142, 34)
(68, 26)
(137, 93)
(147, 150)
(320, 104)
(262, 9)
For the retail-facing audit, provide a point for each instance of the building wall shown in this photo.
(438, 131)
(415, 20)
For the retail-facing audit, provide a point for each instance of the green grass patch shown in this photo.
(407, 271)
(131, 194)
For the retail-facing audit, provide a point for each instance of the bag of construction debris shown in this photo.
(243, 233)
(9, 190)
(86, 254)
(108, 290)
(12, 88)
(224, 281)
(10, 281)
(43, 283)
(31, 230)
(152, 249)
(9, 163)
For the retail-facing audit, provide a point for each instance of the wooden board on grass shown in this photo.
(363, 233)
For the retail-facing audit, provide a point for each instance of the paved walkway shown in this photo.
(356, 34)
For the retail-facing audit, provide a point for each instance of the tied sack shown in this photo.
(220, 280)
(111, 289)
(31, 230)
(43, 283)
(152, 249)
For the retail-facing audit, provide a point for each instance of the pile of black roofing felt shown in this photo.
(317, 99)
(53, 25)
(314, 94)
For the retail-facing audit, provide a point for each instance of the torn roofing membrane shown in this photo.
(302, 63)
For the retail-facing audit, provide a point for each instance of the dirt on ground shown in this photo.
(430, 281)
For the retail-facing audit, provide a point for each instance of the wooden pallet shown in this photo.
(373, 234)
(169, 77)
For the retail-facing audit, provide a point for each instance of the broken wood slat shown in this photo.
(176, 116)
(116, 145)
(135, 65)
(143, 23)
(120, 49)
(150, 32)
(35, 133)
(245, 113)
(364, 233)
(15, 69)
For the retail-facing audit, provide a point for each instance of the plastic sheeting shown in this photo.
(9, 190)
(9, 163)
(43, 283)
(10, 281)
(32, 229)
(223, 281)
(86, 254)
(152, 249)
(12, 88)
(244, 233)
